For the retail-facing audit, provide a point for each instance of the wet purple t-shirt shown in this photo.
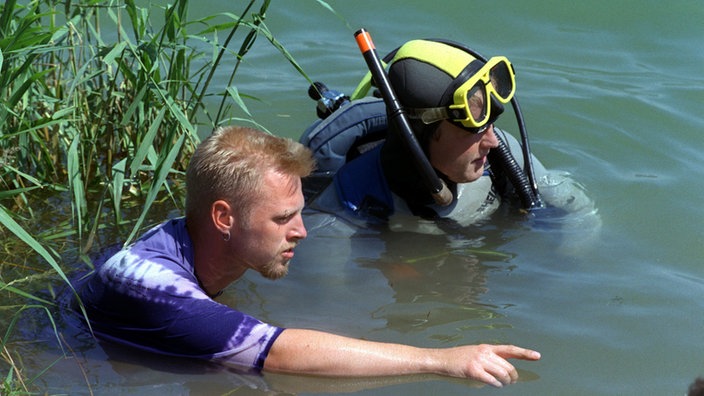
(148, 296)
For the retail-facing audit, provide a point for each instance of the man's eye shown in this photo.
(284, 219)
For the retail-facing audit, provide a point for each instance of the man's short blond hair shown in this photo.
(231, 163)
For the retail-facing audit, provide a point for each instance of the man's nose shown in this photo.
(489, 139)
(298, 231)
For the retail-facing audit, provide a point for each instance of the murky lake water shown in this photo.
(612, 93)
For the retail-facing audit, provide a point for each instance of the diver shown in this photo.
(452, 98)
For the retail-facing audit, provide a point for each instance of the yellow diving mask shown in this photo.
(471, 105)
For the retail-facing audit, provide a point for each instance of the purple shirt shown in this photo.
(147, 296)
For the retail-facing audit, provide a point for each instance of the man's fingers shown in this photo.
(514, 352)
(490, 363)
(502, 371)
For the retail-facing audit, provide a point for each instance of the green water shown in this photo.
(612, 93)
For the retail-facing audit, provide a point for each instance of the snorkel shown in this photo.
(438, 189)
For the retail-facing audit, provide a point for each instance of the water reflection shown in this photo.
(434, 283)
(437, 281)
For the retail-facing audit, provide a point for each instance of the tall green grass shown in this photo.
(100, 107)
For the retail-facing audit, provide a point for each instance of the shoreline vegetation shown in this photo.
(100, 106)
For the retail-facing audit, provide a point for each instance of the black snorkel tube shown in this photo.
(438, 189)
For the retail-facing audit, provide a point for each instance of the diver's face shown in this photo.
(458, 154)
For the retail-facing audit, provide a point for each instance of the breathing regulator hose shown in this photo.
(515, 175)
(530, 196)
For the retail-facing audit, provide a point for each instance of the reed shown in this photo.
(100, 109)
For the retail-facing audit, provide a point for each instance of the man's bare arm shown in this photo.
(319, 353)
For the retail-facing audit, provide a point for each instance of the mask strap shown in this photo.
(430, 115)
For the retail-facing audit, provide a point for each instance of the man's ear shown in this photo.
(222, 215)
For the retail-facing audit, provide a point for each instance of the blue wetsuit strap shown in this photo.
(362, 187)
